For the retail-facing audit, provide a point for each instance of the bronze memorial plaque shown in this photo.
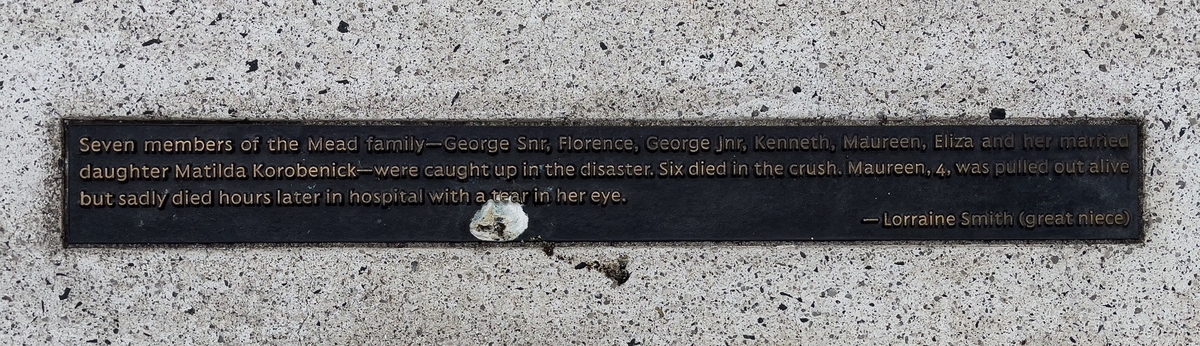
(215, 182)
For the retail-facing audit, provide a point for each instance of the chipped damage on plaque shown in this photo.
(499, 221)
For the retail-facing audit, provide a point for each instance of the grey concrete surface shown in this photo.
(600, 59)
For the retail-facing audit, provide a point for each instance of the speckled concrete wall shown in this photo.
(600, 59)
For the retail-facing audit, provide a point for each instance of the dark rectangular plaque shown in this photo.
(210, 182)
